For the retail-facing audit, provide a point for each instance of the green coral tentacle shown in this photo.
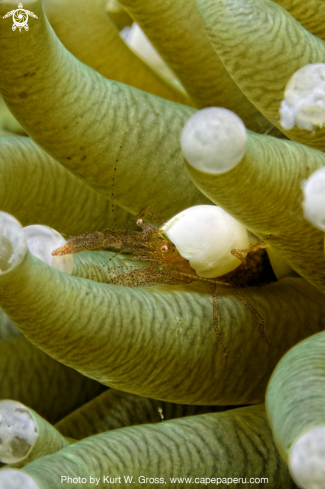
(33, 378)
(311, 14)
(114, 409)
(201, 446)
(198, 68)
(8, 123)
(7, 327)
(295, 406)
(95, 41)
(118, 14)
(295, 394)
(263, 69)
(26, 436)
(119, 334)
(115, 125)
(51, 195)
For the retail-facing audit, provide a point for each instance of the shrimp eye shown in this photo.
(164, 247)
(139, 222)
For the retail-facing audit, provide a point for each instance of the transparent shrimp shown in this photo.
(167, 266)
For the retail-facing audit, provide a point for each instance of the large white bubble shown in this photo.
(214, 140)
(17, 431)
(14, 479)
(304, 98)
(13, 246)
(205, 235)
(314, 199)
(307, 459)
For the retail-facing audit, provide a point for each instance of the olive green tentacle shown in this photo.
(50, 194)
(30, 376)
(116, 334)
(233, 444)
(295, 397)
(114, 409)
(26, 436)
(8, 123)
(7, 327)
(310, 14)
(92, 125)
(262, 46)
(95, 40)
(6, 133)
(198, 68)
(295, 394)
(264, 192)
(118, 14)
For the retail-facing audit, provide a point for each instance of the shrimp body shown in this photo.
(167, 266)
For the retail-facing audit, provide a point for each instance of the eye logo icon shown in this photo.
(20, 18)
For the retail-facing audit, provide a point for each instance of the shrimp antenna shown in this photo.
(215, 302)
(113, 185)
(106, 263)
(251, 308)
(142, 213)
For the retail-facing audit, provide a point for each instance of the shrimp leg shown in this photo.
(215, 323)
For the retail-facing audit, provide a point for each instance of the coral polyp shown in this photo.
(119, 377)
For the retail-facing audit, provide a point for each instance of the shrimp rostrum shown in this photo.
(201, 244)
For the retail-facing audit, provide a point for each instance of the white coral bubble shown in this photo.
(17, 431)
(205, 235)
(13, 247)
(304, 98)
(307, 459)
(314, 199)
(214, 140)
(14, 479)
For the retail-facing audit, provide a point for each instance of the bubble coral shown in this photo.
(103, 124)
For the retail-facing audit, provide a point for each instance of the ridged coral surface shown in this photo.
(132, 381)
